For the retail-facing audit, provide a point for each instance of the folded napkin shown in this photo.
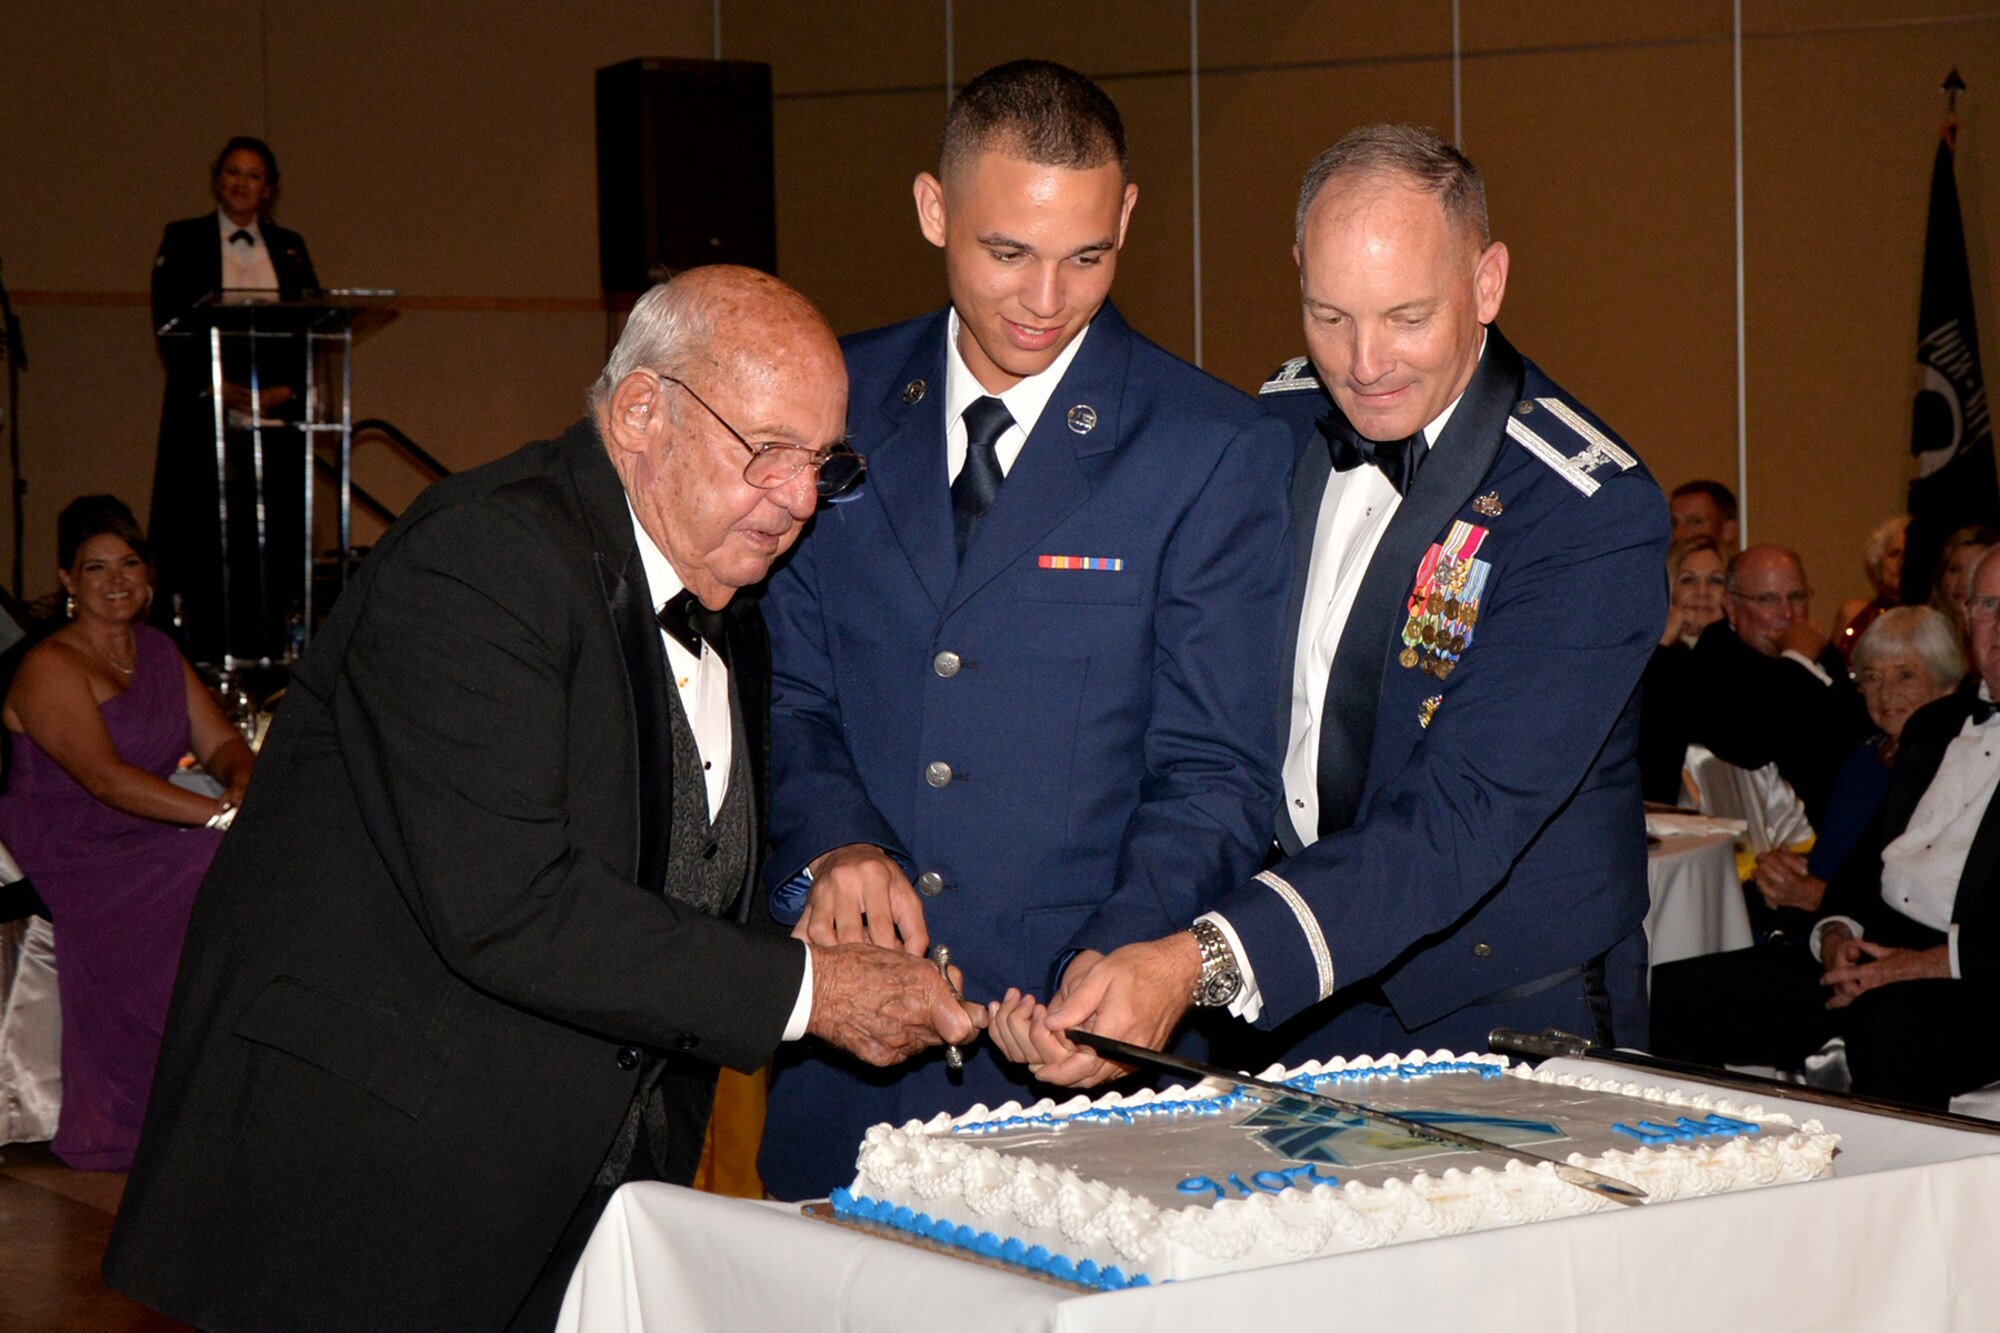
(1683, 825)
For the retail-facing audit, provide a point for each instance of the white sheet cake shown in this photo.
(1122, 1191)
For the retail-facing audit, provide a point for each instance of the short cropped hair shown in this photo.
(668, 328)
(1918, 630)
(90, 516)
(1724, 498)
(1417, 155)
(1877, 549)
(1036, 110)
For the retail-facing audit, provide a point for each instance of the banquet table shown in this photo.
(1697, 899)
(1902, 1237)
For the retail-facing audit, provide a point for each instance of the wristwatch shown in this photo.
(1220, 978)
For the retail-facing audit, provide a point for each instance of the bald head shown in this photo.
(1765, 593)
(716, 368)
(720, 318)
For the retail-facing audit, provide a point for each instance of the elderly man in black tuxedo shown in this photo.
(483, 933)
(1904, 961)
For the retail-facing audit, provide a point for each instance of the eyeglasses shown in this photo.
(1770, 601)
(1982, 608)
(835, 468)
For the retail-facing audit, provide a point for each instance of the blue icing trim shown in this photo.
(1130, 1113)
(1013, 1250)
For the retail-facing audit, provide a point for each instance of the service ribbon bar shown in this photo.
(1109, 563)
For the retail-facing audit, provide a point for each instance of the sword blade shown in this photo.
(1552, 1043)
(1581, 1177)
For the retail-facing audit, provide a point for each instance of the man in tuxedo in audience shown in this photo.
(1704, 509)
(1766, 684)
(1022, 685)
(1905, 960)
(483, 930)
(1479, 583)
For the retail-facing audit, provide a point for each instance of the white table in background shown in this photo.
(1697, 899)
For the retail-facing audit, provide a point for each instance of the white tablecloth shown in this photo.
(1903, 1238)
(1697, 899)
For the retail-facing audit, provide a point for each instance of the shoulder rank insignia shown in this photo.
(1294, 375)
(1598, 449)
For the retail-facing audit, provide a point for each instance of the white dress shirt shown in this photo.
(1922, 867)
(1354, 512)
(1024, 401)
(246, 266)
(703, 684)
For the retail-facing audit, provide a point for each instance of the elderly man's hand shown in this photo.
(861, 896)
(1137, 994)
(884, 1006)
(1805, 637)
(1864, 965)
(1782, 881)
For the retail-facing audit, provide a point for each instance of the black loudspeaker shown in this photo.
(683, 169)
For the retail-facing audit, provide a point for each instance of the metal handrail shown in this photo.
(402, 443)
(410, 448)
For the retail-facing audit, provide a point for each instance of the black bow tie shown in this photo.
(1398, 459)
(1982, 711)
(242, 236)
(690, 622)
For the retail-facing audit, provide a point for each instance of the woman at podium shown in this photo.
(239, 251)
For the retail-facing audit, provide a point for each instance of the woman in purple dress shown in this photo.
(100, 714)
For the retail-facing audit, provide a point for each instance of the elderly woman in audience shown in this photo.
(1907, 657)
(1695, 584)
(1961, 551)
(1904, 957)
(100, 714)
(1884, 563)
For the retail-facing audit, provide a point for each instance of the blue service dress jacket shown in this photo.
(1071, 740)
(1495, 867)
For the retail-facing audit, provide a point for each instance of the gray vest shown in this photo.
(707, 859)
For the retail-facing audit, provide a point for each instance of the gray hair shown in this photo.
(668, 328)
(1878, 540)
(1919, 631)
(1417, 155)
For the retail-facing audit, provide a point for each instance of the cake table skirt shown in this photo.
(1904, 1238)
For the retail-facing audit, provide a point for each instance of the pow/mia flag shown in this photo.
(1952, 481)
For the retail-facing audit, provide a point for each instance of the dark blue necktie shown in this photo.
(979, 480)
(1398, 459)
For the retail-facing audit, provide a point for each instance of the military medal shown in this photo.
(1428, 709)
(1444, 602)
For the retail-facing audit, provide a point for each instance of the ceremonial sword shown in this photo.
(1581, 1177)
(1555, 1042)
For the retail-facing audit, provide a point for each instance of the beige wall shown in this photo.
(446, 150)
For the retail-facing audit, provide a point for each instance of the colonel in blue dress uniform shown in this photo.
(1024, 682)
(1479, 584)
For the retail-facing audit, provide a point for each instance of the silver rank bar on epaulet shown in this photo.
(1295, 375)
(1599, 449)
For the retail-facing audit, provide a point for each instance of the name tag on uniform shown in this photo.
(1108, 563)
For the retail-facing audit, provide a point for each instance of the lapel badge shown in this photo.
(913, 392)
(1083, 418)
(1487, 505)
(1428, 709)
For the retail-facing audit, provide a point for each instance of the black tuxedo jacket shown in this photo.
(1856, 888)
(428, 964)
(189, 267)
(1752, 710)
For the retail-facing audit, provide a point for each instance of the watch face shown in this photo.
(1220, 988)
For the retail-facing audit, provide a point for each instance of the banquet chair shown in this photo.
(30, 1019)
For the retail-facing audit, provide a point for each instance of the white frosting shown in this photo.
(1002, 1171)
